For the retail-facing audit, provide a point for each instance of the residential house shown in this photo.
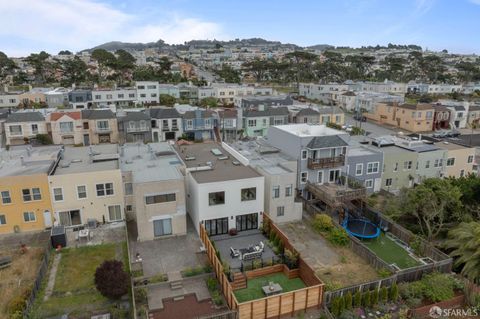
(120, 97)
(331, 114)
(199, 124)
(413, 118)
(365, 163)
(459, 116)
(304, 115)
(228, 124)
(10, 99)
(474, 115)
(257, 122)
(169, 89)
(154, 190)
(147, 93)
(65, 127)
(221, 192)
(57, 97)
(99, 126)
(23, 127)
(254, 102)
(25, 203)
(399, 167)
(441, 119)
(459, 160)
(87, 185)
(134, 127)
(280, 173)
(80, 99)
(166, 124)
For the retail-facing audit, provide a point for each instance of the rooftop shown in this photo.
(309, 130)
(210, 162)
(151, 162)
(28, 116)
(88, 159)
(27, 160)
(450, 146)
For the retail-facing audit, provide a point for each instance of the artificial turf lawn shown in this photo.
(254, 286)
(390, 251)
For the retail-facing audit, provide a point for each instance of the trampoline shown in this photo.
(361, 228)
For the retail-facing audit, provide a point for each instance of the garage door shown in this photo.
(68, 140)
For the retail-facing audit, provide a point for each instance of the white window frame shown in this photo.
(53, 194)
(29, 219)
(9, 197)
(280, 209)
(361, 169)
(470, 159)
(453, 161)
(105, 189)
(289, 190)
(370, 170)
(368, 181)
(304, 154)
(78, 193)
(320, 179)
(301, 178)
(4, 218)
(274, 189)
(108, 212)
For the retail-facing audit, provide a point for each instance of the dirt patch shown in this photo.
(336, 266)
(16, 281)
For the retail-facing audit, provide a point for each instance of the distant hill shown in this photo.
(117, 45)
(321, 47)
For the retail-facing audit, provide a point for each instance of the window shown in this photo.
(102, 125)
(82, 191)
(15, 129)
(151, 87)
(141, 87)
(288, 191)
(395, 167)
(451, 161)
(388, 182)
(36, 193)
(58, 194)
(85, 125)
(161, 198)
(162, 227)
(189, 124)
(303, 177)
(373, 167)
(427, 164)
(264, 122)
(131, 95)
(129, 208)
(34, 128)
(462, 173)
(165, 123)
(29, 217)
(470, 159)
(276, 192)
(128, 189)
(320, 177)
(104, 189)
(359, 169)
(216, 226)
(66, 127)
(3, 220)
(280, 211)
(216, 198)
(98, 97)
(27, 196)
(407, 165)
(304, 154)
(114, 212)
(143, 95)
(6, 199)
(252, 123)
(109, 96)
(248, 193)
(369, 183)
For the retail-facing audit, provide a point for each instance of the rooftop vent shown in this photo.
(237, 163)
(216, 152)
(223, 158)
(76, 161)
(189, 158)
(209, 163)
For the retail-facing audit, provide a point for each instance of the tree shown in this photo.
(464, 243)
(106, 60)
(111, 280)
(65, 52)
(301, 63)
(73, 70)
(209, 102)
(41, 66)
(167, 100)
(348, 301)
(374, 297)
(393, 293)
(7, 66)
(228, 74)
(383, 294)
(357, 299)
(367, 302)
(470, 189)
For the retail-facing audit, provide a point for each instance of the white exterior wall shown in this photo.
(199, 209)
(114, 96)
(149, 93)
(57, 134)
(27, 131)
(9, 100)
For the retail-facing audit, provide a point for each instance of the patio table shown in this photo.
(272, 289)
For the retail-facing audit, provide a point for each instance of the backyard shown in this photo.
(73, 290)
(254, 286)
(392, 253)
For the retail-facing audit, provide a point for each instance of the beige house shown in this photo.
(474, 116)
(99, 126)
(21, 127)
(459, 160)
(65, 127)
(87, 185)
(413, 118)
(154, 190)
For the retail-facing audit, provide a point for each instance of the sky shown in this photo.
(28, 26)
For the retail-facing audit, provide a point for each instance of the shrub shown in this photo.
(44, 139)
(111, 280)
(384, 273)
(348, 301)
(357, 299)
(271, 237)
(438, 287)
(232, 232)
(341, 304)
(291, 258)
(338, 237)
(217, 298)
(393, 294)
(322, 223)
(374, 297)
(416, 245)
(383, 294)
(211, 284)
(141, 295)
(276, 240)
(366, 302)
(335, 307)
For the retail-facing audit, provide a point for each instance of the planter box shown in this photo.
(423, 311)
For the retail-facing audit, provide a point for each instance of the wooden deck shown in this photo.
(335, 195)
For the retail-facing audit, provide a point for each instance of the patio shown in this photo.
(241, 241)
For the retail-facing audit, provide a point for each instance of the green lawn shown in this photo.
(390, 251)
(74, 291)
(254, 286)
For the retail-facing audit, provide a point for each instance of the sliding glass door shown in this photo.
(246, 222)
(217, 226)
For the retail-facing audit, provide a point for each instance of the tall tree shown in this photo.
(106, 60)
(42, 67)
(73, 70)
(228, 74)
(302, 64)
(7, 66)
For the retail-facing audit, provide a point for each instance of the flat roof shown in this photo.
(361, 150)
(450, 146)
(102, 157)
(223, 167)
(28, 160)
(151, 162)
(264, 156)
(306, 130)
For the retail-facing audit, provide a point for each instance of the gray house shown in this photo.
(305, 115)
(255, 102)
(134, 127)
(365, 164)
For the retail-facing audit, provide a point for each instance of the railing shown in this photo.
(41, 272)
(137, 129)
(165, 128)
(103, 129)
(316, 163)
(174, 128)
(66, 132)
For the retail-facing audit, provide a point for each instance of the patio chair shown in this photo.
(234, 252)
(262, 246)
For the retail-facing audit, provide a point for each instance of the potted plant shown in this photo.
(232, 232)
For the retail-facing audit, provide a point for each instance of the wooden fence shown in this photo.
(287, 303)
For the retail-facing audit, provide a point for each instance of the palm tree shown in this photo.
(464, 241)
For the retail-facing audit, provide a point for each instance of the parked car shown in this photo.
(360, 117)
(440, 134)
(347, 128)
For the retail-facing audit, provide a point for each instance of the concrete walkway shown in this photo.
(52, 276)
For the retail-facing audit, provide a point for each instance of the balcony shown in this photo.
(327, 162)
(66, 132)
(337, 193)
(102, 130)
(137, 129)
(165, 129)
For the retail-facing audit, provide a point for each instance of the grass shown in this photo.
(254, 286)
(390, 251)
(74, 291)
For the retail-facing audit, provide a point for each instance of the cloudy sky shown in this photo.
(33, 25)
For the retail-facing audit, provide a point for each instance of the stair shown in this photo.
(174, 285)
(178, 298)
(239, 281)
